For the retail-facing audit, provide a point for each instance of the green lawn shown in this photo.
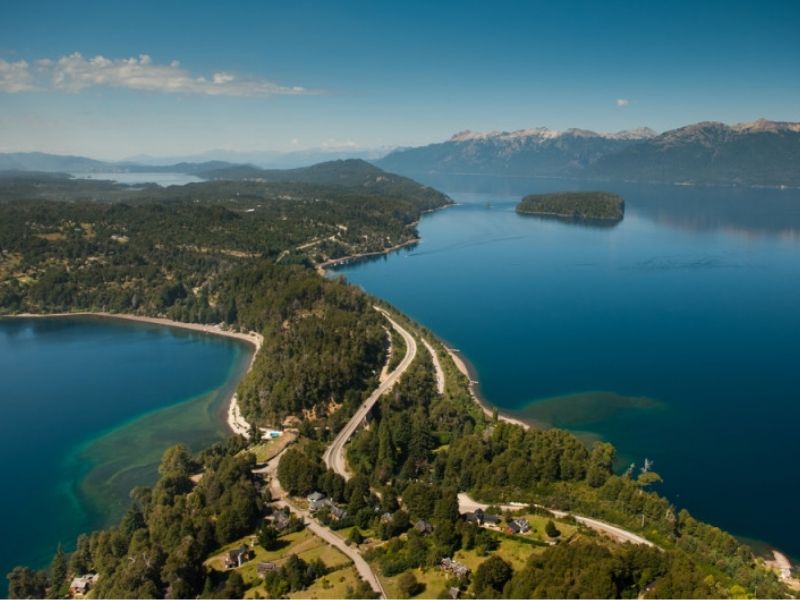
(434, 579)
(333, 585)
(302, 543)
(269, 448)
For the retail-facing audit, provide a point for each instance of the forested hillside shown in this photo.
(242, 253)
(582, 206)
(233, 252)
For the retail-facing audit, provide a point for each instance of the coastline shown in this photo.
(322, 268)
(462, 365)
(234, 420)
(570, 217)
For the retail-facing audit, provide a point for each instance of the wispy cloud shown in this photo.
(74, 73)
(15, 77)
(622, 102)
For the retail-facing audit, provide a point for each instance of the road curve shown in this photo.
(467, 504)
(279, 497)
(334, 456)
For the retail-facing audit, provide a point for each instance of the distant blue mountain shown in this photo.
(759, 153)
(57, 163)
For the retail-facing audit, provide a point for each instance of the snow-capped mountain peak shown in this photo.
(544, 133)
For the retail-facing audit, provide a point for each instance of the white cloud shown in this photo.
(74, 73)
(15, 77)
(623, 102)
(334, 144)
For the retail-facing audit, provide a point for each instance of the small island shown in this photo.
(578, 206)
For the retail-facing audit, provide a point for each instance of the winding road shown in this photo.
(334, 456)
(279, 497)
(467, 504)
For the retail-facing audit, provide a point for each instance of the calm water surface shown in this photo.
(88, 407)
(675, 335)
(162, 179)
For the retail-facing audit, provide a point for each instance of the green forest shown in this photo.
(245, 253)
(580, 206)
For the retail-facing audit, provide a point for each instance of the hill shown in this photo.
(52, 163)
(354, 174)
(581, 206)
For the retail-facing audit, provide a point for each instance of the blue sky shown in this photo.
(282, 76)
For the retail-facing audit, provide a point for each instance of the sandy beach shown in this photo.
(488, 410)
(234, 420)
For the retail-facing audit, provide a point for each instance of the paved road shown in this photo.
(467, 504)
(335, 459)
(279, 497)
(334, 456)
(437, 367)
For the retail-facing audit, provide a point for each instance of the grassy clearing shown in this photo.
(333, 585)
(434, 579)
(268, 449)
(263, 451)
(302, 543)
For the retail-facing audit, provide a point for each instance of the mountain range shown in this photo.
(39, 161)
(59, 163)
(761, 153)
(758, 153)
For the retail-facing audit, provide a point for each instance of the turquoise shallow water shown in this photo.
(673, 335)
(88, 407)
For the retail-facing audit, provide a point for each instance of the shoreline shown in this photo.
(233, 420)
(570, 217)
(488, 409)
(322, 268)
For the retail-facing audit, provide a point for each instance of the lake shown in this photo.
(159, 178)
(89, 405)
(675, 335)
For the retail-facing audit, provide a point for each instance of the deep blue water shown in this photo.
(88, 406)
(675, 335)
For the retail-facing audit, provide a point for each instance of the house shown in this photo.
(518, 526)
(236, 558)
(265, 567)
(451, 566)
(337, 513)
(80, 586)
(322, 503)
(481, 517)
(475, 517)
(493, 520)
(315, 497)
(423, 527)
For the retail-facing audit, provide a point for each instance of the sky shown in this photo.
(116, 79)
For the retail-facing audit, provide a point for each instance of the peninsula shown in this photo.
(579, 206)
(411, 493)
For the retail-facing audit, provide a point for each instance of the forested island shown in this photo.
(244, 254)
(579, 206)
